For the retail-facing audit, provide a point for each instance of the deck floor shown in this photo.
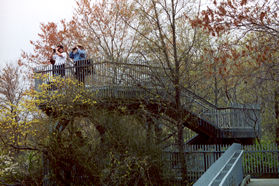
(264, 182)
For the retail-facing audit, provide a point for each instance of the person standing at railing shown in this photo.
(58, 60)
(78, 54)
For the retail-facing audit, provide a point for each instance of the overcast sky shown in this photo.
(20, 22)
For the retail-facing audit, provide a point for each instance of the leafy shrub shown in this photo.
(23, 168)
(120, 156)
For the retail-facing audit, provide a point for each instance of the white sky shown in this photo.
(20, 22)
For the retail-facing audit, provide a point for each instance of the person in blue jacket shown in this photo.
(78, 54)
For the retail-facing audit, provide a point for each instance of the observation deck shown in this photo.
(141, 83)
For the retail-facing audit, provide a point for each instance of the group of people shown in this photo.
(59, 59)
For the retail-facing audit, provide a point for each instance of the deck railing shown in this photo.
(102, 73)
(125, 79)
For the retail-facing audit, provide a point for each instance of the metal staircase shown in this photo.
(237, 123)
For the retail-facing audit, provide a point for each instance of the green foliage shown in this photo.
(82, 155)
(63, 96)
(7, 165)
(23, 168)
(128, 169)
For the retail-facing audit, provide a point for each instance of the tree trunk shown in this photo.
(276, 109)
(158, 132)
(149, 122)
(181, 152)
(180, 137)
(215, 87)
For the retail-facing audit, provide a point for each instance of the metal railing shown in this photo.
(209, 164)
(236, 116)
(132, 80)
(257, 160)
(227, 170)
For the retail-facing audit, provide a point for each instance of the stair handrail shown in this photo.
(226, 169)
(220, 117)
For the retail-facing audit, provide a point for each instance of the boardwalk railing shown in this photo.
(227, 170)
(118, 78)
(261, 160)
(258, 160)
(198, 157)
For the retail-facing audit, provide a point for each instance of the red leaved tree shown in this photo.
(252, 48)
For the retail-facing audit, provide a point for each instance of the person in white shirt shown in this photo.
(59, 58)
